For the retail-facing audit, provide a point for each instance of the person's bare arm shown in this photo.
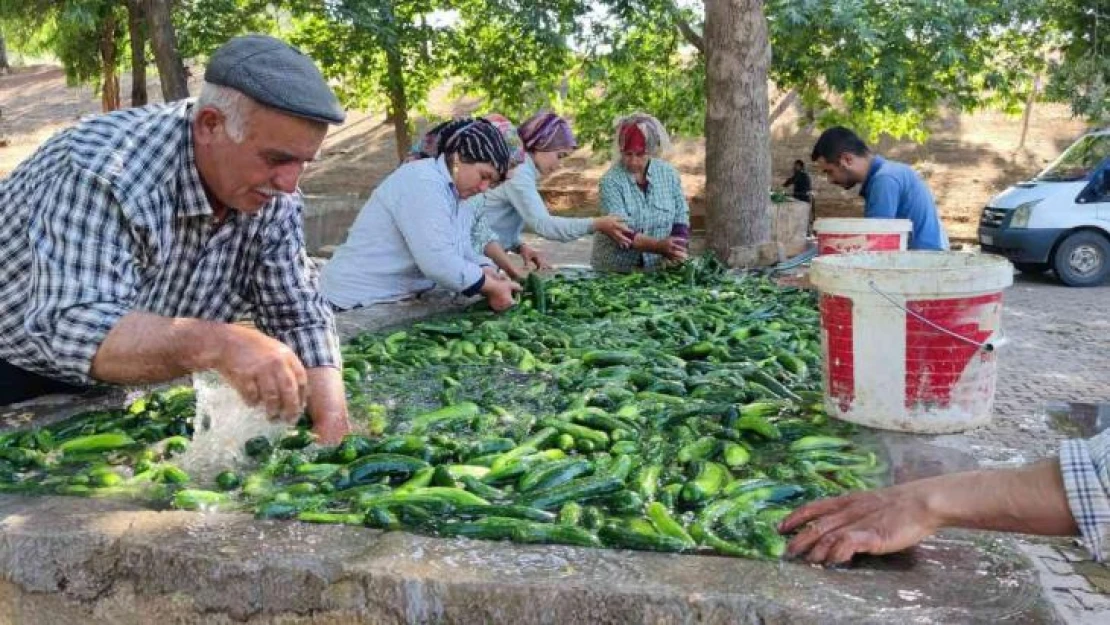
(143, 347)
(501, 258)
(1030, 500)
(671, 247)
(327, 404)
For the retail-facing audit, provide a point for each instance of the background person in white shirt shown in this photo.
(413, 234)
(506, 210)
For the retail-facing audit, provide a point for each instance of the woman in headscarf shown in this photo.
(412, 235)
(646, 192)
(484, 240)
(547, 139)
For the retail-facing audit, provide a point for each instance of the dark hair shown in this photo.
(836, 141)
(799, 163)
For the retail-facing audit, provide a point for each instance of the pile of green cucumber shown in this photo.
(674, 411)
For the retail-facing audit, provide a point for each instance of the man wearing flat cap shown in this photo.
(131, 241)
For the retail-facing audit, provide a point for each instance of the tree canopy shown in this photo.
(884, 66)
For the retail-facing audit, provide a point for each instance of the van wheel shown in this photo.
(1031, 268)
(1082, 259)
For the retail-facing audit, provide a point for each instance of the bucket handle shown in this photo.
(986, 346)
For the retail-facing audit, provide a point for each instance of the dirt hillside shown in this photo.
(968, 158)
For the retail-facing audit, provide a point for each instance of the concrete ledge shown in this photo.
(68, 560)
(72, 560)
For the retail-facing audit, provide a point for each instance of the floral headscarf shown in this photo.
(547, 132)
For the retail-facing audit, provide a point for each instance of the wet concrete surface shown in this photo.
(109, 562)
(66, 560)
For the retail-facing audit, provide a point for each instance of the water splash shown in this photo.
(224, 422)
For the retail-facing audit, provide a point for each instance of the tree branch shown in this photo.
(684, 27)
(784, 103)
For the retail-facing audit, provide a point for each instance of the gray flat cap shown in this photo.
(275, 74)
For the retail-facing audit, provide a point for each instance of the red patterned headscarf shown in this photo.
(641, 132)
(632, 139)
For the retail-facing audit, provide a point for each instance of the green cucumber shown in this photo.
(570, 513)
(634, 536)
(482, 489)
(736, 455)
(447, 414)
(575, 490)
(579, 432)
(96, 443)
(552, 474)
(813, 443)
(711, 477)
(374, 466)
(344, 518)
(701, 449)
(608, 357)
(509, 511)
(666, 524)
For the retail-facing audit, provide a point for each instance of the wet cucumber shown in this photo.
(447, 414)
(482, 489)
(608, 358)
(701, 449)
(552, 474)
(735, 455)
(96, 443)
(631, 535)
(710, 478)
(374, 466)
(575, 490)
(666, 524)
(570, 513)
(579, 432)
(814, 443)
(344, 518)
(508, 511)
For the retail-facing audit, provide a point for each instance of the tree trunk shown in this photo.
(137, 32)
(737, 132)
(171, 71)
(4, 66)
(398, 100)
(109, 89)
(1028, 112)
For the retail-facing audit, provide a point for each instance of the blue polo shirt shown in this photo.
(893, 190)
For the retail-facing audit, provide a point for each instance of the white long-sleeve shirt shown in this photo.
(412, 235)
(517, 203)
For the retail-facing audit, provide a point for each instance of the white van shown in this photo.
(1059, 220)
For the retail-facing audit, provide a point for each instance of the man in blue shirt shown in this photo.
(890, 190)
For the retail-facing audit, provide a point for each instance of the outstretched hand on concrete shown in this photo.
(1030, 500)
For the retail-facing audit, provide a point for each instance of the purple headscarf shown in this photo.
(546, 132)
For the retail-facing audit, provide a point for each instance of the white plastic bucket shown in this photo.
(909, 337)
(845, 236)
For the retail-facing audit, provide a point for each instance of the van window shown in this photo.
(1079, 160)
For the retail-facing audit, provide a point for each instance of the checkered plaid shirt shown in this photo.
(110, 216)
(1085, 465)
(651, 214)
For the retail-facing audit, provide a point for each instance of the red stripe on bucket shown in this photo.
(862, 242)
(936, 360)
(836, 322)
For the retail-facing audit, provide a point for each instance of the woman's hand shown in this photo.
(533, 258)
(672, 248)
(614, 227)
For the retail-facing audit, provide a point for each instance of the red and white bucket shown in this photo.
(909, 337)
(845, 236)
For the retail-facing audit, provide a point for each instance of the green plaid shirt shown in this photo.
(651, 213)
